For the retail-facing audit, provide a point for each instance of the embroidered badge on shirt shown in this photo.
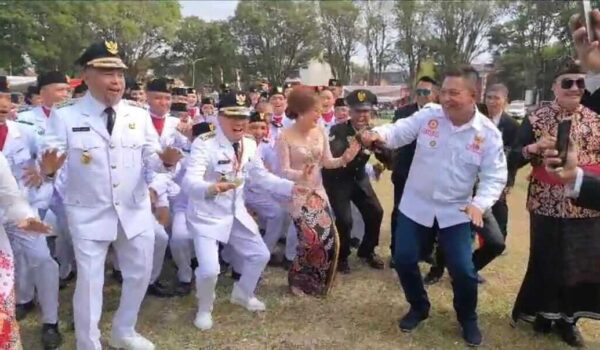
(224, 161)
(81, 129)
(431, 129)
(86, 157)
(131, 126)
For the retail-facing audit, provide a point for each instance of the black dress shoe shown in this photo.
(51, 337)
(432, 277)
(274, 261)
(22, 310)
(235, 275)
(373, 261)
(64, 282)
(471, 334)
(117, 276)
(286, 264)
(159, 290)
(412, 319)
(343, 267)
(194, 263)
(570, 334)
(183, 289)
(354, 242)
(542, 325)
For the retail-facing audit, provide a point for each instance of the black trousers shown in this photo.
(360, 192)
(493, 245)
(500, 211)
(398, 190)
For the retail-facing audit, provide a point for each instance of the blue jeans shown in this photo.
(456, 242)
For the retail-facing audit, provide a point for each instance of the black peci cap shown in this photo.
(159, 85)
(4, 87)
(202, 128)
(207, 101)
(53, 77)
(235, 104)
(179, 107)
(258, 117)
(101, 55)
(334, 82)
(276, 90)
(136, 87)
(340, 102)
(361, 99)
(191, 90)
(179, 91)
(32, 90)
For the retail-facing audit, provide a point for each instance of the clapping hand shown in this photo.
(185, 127)
(34, 225)
(32, 177)
(51, 162)
(170, 156)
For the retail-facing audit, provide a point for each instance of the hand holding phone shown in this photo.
(562, 140)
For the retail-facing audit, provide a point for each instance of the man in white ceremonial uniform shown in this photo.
(110, 144)
(35, 269)
(54, 90)
(464, 146)
(219, 164)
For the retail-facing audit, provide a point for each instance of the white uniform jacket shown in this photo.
(212, 155)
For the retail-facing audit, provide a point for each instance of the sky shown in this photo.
(211, 10)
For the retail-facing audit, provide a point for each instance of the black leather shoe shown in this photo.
(343, 267)
(235, 275)
(542, 325)
(373, 261)
(183, 289)
(286, 264)
(412, 319)
(117, 276)
(432, 277)
(159, 290)
(22, 310)
(354, 242)
(51, 337)
(274, 261)
(64, 282)
(471, 334)
(194, 263)
(570, 334)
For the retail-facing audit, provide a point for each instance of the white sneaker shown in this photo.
(136, 342)
(203, 321)
(250, 303)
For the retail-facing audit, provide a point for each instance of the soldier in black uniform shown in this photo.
(351, 183)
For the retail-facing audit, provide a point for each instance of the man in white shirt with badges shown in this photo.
(218, 165)
(110, 143)
(456, 145)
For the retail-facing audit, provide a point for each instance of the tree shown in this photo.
(340, 33)
(459, 29)
(413, 37)
(276, 37)
(16, 28)
(529, 46)
(202, 50)
(379, 37)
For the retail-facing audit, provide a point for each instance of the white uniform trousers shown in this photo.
(247, 244)
(135, 258)
(234, 260)
(358, 224)
(182, 247)
(161, 241)
(33, 260)
(271, 213)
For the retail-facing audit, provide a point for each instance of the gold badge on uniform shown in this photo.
(132, 126)
(361, 96)
(240, 99)
(111, 47)
(86, 157)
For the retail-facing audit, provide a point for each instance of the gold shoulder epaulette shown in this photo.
(67, 103)
(208, 135)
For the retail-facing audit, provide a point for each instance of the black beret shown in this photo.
(159, 85)
(361, 99)
(179, 107)
(101, 55)
(53, 77)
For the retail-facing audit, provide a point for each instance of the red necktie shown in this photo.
(46, 111)
(278, 118)
(3, 135)
(328, 117)
(192, 112)
(159, 124)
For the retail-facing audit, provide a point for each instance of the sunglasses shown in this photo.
(423, 92)
(568, 83)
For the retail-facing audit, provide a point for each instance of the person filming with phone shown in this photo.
(562, 282)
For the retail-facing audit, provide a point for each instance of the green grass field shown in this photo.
(361, 313)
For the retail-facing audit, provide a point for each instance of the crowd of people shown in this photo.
(131, 172)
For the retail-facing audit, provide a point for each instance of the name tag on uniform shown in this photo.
(81, 129)
(225, 161)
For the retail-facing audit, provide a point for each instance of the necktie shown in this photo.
(3, 135)
(236, 149)
(110, 119)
